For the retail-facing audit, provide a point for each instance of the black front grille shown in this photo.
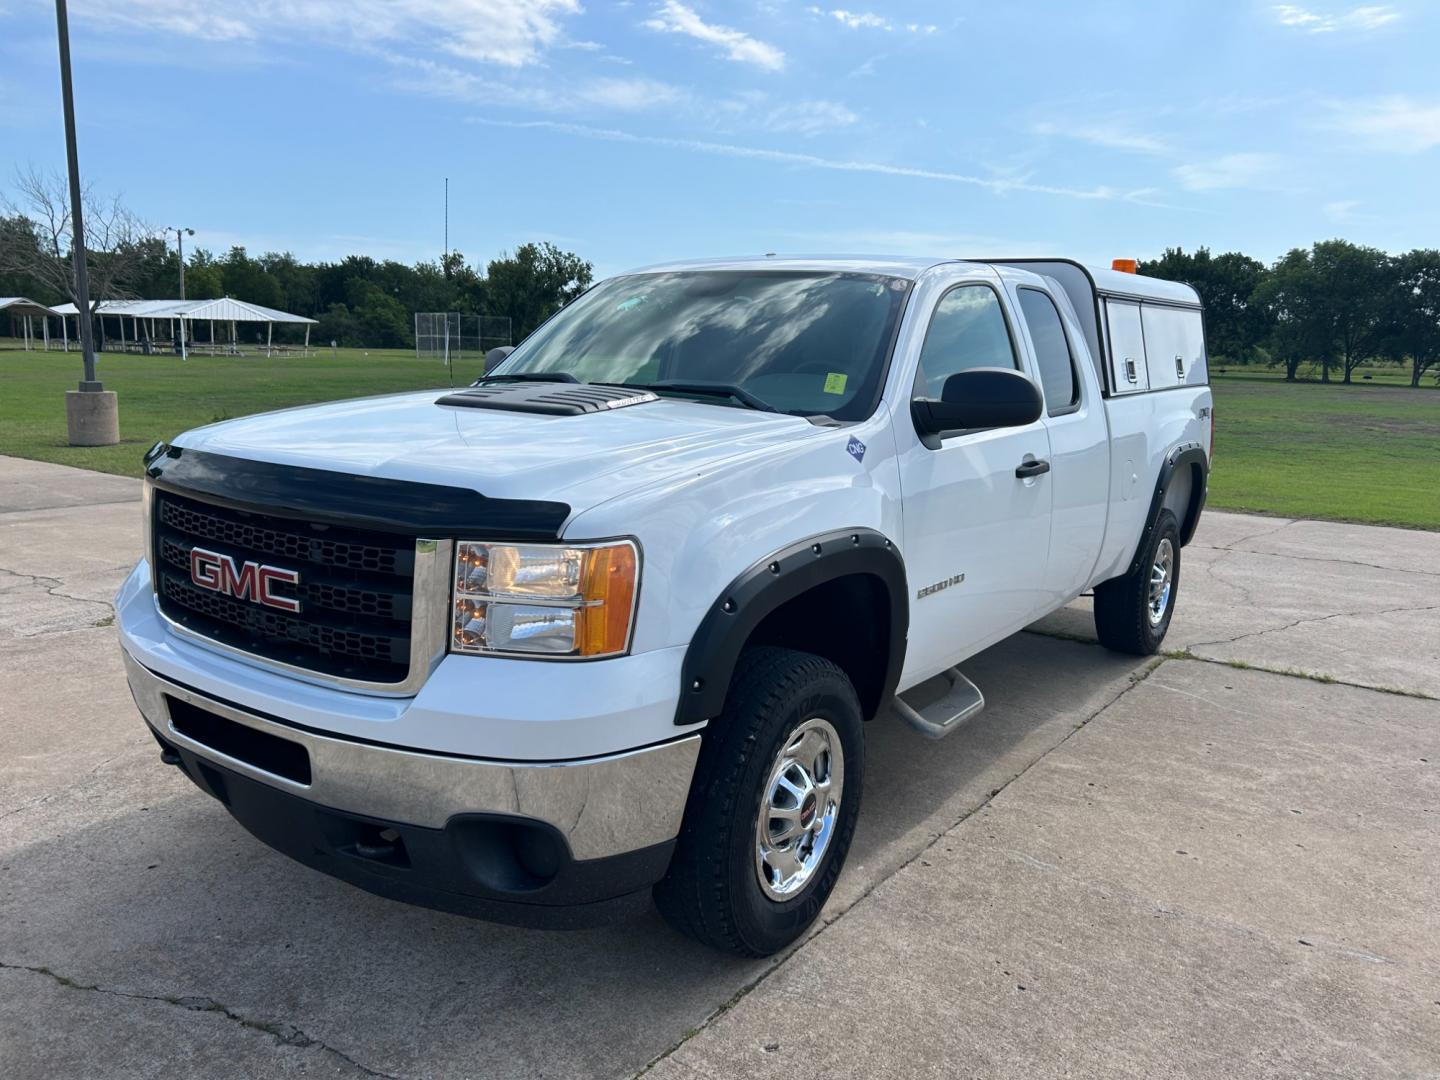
(355, 588)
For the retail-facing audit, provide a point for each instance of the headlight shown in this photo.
(572, 600)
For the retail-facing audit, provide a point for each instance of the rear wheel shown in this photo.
(1132, 613)
(772, 807)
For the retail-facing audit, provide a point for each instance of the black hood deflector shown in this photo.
(433, 511)
(548, 398)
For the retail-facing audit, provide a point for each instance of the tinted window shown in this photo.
(1052, 350)
(968, 330)
(803, 342)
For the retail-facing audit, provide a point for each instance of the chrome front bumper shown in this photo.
(602, 806)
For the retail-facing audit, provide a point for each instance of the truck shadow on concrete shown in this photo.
(168, 898)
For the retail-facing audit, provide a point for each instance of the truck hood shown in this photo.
(579, 460)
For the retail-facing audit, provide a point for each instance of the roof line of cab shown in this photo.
(1103, 279)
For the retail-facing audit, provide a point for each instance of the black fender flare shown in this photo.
(1184, 456)
(780, 577)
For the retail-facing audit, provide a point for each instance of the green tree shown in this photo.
(533, 284)
(338, 324)
(1235, 326)
(204, 277)
(1334, 305)
(383, 321)
(1417, 323)
(246, 279)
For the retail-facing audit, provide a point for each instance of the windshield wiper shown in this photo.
(715, 389)
(529, 376)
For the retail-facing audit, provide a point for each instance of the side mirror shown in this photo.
(496, 356)
(979, 398)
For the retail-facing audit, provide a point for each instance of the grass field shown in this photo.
(161, 396)
(1368, 452)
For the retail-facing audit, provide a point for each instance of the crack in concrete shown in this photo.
(283, 1034)
(85, 506)
(52, 587)
(1134, 680)
(1212, 571)
(1233, 545)
(1304, 620)
(1297, 673)
(41, 800)
(1145, 902)
(1253, 536)
(1317, 558)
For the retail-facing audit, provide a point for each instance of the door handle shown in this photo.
(1026, 469)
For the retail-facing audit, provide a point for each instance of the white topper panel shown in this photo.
(1174, 346)
(1128, 372)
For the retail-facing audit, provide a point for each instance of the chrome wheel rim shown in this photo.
(799, 809)
(1162, 581)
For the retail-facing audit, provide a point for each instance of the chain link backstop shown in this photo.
(448, 335)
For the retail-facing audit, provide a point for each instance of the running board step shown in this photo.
(940, 705)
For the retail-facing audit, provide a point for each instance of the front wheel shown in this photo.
(772, 807)
(1132, 613)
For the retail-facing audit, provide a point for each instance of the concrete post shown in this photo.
(93, 417)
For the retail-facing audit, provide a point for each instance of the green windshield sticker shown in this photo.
(835, 383)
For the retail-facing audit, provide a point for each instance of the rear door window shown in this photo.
(1052, 351)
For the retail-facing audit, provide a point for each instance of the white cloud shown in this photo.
(1359, 19)
(443, 81)
(856, 20)
(1398, 124)
(511, 33)
(995, 185)
(868, 20)
(759, 110)
(673, 17)
(1229, 171)
(1113, 135)
(809, 117)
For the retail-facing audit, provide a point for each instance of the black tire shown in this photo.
(713, 891)
(1123, 615)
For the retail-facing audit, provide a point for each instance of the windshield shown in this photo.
(807, 343)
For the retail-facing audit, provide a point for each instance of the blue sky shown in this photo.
(643, 131)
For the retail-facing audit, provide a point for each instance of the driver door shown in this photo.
(977, 536)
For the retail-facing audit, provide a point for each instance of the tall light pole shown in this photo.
(181, 232)
(92, 413)
(77, 224)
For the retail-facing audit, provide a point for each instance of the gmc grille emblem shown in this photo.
(250, 581)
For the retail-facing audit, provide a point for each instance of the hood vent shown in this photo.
(547, 399)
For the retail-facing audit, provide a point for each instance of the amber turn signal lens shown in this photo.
(608, 587)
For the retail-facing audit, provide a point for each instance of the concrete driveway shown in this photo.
(1209, 865)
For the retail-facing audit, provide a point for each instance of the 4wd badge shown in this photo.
(856, 448)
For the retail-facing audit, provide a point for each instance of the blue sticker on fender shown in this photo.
(856, 448)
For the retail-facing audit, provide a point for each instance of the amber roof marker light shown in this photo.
(1125, 266)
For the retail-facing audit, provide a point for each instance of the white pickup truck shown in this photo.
(610, 623)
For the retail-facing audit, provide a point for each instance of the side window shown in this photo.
(1052, 351)
(968, 330)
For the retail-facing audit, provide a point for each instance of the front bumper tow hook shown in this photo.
(169, 757)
